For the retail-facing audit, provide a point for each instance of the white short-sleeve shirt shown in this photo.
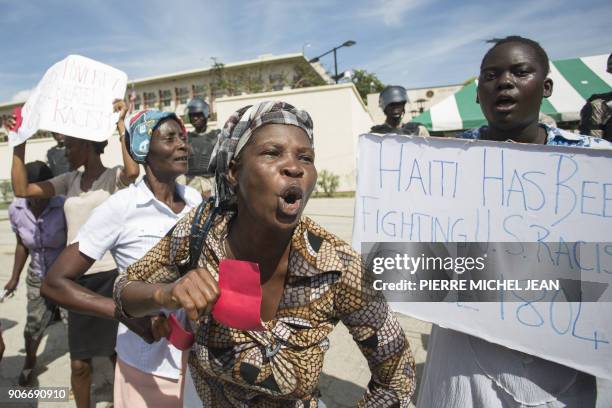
(128, 224)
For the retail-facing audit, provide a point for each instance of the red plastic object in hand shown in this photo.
(18, 119)
(178, 336)
(239, 303)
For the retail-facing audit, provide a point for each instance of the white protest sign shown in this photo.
(413, 189)
(74, 98)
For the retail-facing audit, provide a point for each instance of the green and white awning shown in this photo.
(574, 80)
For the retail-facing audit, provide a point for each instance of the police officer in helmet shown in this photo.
(202, 143)
(392, 101)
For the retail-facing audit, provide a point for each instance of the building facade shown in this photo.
(172, 92)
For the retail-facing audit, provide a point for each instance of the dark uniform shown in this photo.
(56, 157)
(410, 128)
(596, 116)
(202, 145)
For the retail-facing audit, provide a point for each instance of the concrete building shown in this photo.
(171, 92)
(419, 100)
(268, 73)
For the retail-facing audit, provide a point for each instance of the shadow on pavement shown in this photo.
(337, 393)
(424, 340)
(55, 347)
(7, 324)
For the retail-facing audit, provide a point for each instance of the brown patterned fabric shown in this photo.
(280, 367)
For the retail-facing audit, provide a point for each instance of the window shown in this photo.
(219, 93)
(199, 91)
(137, 102)
(182, 94)
(149, 100)
(134, 100)
(166, 97)
(277, 81)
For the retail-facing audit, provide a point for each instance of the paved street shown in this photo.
(345, 371)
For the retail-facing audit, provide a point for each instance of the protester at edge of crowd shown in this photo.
(128, 224)
(202, 144)
(56, 156)
(40, 230)
(392, 100)
(596, 114)
(464, 371)
(84, 190)
(310, 279)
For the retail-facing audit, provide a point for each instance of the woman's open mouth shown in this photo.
(181, 159)
(504, 103)
(290, 201)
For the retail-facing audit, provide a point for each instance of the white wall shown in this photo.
(36, 149)
(338, 114)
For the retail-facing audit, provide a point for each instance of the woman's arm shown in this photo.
(365, 313)
(155, 281)
(21, 255)
(196, 292)
(60, 285)
(131, 169)
(19, 178)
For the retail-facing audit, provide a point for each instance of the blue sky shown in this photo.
(414, 43)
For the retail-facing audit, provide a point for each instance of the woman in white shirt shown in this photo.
(128, 224)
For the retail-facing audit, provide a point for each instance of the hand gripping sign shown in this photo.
(74, 98)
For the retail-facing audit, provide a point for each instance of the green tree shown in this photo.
(366, 83)
(219, 82)
(6, 190)
(328, 182)
(305, 76)
(252, 81)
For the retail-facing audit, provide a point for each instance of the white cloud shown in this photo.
(391, 12)
(21, 96)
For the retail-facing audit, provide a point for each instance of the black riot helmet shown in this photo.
(198, 105)
(392, 94)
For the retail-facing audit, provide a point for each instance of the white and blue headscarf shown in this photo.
(140, 127)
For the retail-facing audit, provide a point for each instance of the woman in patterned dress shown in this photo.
(310, 279)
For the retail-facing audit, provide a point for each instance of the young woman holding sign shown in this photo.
(88, 336)
(310, 279)
(463, 371)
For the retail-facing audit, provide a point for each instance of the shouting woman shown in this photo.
(310, 279)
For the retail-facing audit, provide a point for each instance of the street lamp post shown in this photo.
(348, 43)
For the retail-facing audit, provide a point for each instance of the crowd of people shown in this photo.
(124, 257)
